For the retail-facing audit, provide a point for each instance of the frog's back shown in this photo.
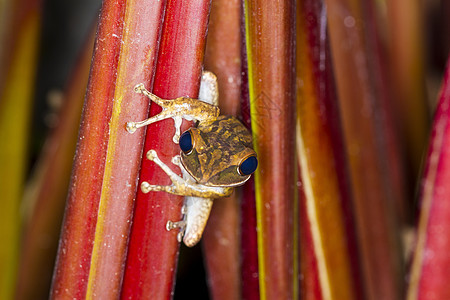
(226, 130)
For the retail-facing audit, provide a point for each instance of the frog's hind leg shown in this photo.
(165, 114)
(197, 211)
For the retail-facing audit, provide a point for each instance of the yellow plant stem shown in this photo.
(15, 109)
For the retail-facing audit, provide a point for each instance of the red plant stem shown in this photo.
(310, 288)
(153, 250)
(92, 249)
(76, 242)
(136, 65)
(431, 264)
(249, 243)
(270, 49)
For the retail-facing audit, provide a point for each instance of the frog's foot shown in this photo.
(195, 214)
(133, 126)
(140, 89)
(209, 88)
(176, 160)
(146, 188)
(153, 156)
(167, 112)
(181, 225)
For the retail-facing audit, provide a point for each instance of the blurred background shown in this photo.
(63, 35)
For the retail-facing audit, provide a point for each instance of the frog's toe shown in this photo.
(184, 209)
(176, 160)
(174, 225)
(146, 187)
(176, 138)
(177, 123)
(151, 155)
(131, 127)
(139, 88)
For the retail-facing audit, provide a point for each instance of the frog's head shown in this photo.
(217, 158)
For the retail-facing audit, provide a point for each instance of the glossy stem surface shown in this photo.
(270, 37)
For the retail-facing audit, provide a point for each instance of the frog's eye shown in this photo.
(185, 142)
(248, 165)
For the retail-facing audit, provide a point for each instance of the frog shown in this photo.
(216, 155)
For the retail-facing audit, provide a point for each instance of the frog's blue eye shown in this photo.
(248, 166)
(185, 142)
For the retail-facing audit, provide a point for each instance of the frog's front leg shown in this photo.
(168, 111)
(182, 107)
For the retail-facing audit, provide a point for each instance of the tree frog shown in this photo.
(215, 156)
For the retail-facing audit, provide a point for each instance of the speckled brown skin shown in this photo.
(220, 145)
